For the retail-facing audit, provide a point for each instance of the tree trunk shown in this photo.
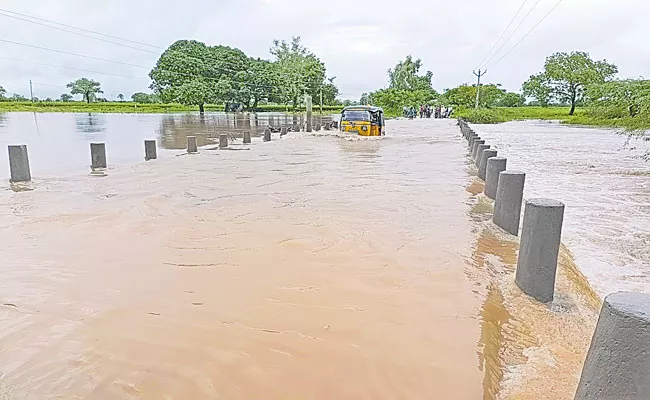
(88, 98)
(201, 108)
(255, 101)
(573, 103)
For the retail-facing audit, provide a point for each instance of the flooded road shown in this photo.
(308, 267)
(605, 185)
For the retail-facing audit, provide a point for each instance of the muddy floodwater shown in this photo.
(313, 266)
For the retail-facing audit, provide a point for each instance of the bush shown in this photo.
(484, 116)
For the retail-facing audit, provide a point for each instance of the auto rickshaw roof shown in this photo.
(372, 109)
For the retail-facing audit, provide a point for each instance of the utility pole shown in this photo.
(31, 91)
(321, 100)
(478, 74)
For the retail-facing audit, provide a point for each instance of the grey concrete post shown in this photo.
(309, 111)
(19, 164)
(317, 127)
(296, 127)
(191, 145)
(539, 248)
(484, 157)
(478, 150)
(223, 141)
(150, 150)
(507, 207)
(247, 137)
(98, 155)
(472, 139)
(494, 167)
(618, 360)
(267, 134)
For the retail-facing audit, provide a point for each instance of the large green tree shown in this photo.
(621, 98)
(491, 95)
(404, 76)
(85, 87)
(258, 82)
(191, 73)
(537, 87)
(567, 75)
(300, 71)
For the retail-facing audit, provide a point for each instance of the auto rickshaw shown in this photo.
(364, 120)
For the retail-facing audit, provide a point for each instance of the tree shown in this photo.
(66, 97)
(393, 100)
(120, 97)
(191, 73)
(365, 99)
(621, 98)
(491, 95)
(3, 92)
(404, 76)
(140, 97)
(567, 75)
(259, 81)
(300, 71)
(330, 92)
(538, 88)
(18, 97)
(85, 87)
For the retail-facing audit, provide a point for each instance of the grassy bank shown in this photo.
(129, 107)
(582, 116)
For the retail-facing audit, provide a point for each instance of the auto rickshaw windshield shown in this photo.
(356, 115)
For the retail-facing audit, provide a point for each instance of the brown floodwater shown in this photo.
(313, 266)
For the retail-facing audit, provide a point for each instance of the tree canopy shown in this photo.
(145, 98)
(192, 73)
(404, 76)
(566, 77)
(3, 92)
(85, 87)
(299, 70)
(66, 97)
(491, 95)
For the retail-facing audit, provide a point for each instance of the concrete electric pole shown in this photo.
(478, 74)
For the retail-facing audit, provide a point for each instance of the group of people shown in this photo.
(427, 111)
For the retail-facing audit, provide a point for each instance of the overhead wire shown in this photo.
(76, 33)
(528, 33)
(512, 20)
(505, 42)
(80, 29)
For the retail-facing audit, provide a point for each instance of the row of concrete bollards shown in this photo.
(618, 361)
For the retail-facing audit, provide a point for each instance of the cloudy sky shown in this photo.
(357, 39)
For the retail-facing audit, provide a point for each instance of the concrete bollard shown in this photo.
(19, 163)
(267, 134)
(223, 141)
(150, 150)
(98, 155)
(191, 145)
(494, 167)
(478, 150)
(472, 139)
(309, 112)
(618, 358)
(507, 207)
(317, 127)
(482, 165)
(539, 247)
(294, 123)
(247, 137)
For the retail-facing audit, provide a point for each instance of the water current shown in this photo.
(313, 266)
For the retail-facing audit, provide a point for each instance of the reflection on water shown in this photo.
(606, 189)
(58, 143)
(90, 123)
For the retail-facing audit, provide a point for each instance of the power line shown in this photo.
(529, 32)
(72, 68)
(76, 33)
(513, 32)
(69, 53)
(512, 20)
(80, 29)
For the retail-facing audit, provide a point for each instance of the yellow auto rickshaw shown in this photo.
(364, 120)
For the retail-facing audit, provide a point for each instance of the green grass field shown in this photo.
(128, 107)
(582, 116)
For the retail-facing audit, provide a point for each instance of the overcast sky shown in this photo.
(357, 39)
